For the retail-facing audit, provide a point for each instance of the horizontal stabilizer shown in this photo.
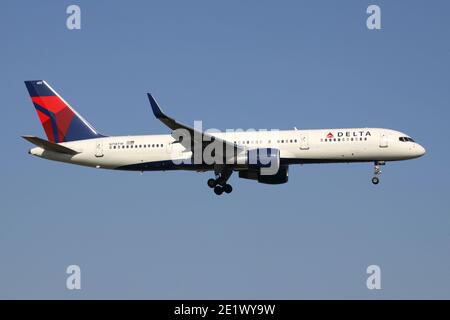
(50, 146)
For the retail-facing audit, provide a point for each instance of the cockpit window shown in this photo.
(406, 139)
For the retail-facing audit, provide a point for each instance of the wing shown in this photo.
(196, 137)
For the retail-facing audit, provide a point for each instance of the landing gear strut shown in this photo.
(377, 171)
(219, 184)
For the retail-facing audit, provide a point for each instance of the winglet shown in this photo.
(155, 107)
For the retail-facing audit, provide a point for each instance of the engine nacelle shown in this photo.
(265, 159)
(280, 177)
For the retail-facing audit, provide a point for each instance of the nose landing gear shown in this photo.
(377, 171)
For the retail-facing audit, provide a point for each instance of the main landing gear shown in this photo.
(377, 171)
(219, 184)
(219, 188)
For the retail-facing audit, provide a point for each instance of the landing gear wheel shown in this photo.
(218, 190)
(227, 188)
(375, 180)
(212, 183)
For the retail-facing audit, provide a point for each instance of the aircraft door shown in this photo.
(99, 148)
(169, 147)
(383, 141)
(304, 141)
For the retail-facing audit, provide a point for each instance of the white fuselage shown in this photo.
(157, 152)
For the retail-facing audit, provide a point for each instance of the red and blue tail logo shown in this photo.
(61, 123)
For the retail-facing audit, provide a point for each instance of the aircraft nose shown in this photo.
(420, 150)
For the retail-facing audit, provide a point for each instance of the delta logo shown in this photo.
(349, 134)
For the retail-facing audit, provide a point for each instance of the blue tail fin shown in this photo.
(60, 121)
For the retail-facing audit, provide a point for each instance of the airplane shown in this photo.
(71, 139)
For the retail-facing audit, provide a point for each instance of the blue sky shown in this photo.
(232, 64)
